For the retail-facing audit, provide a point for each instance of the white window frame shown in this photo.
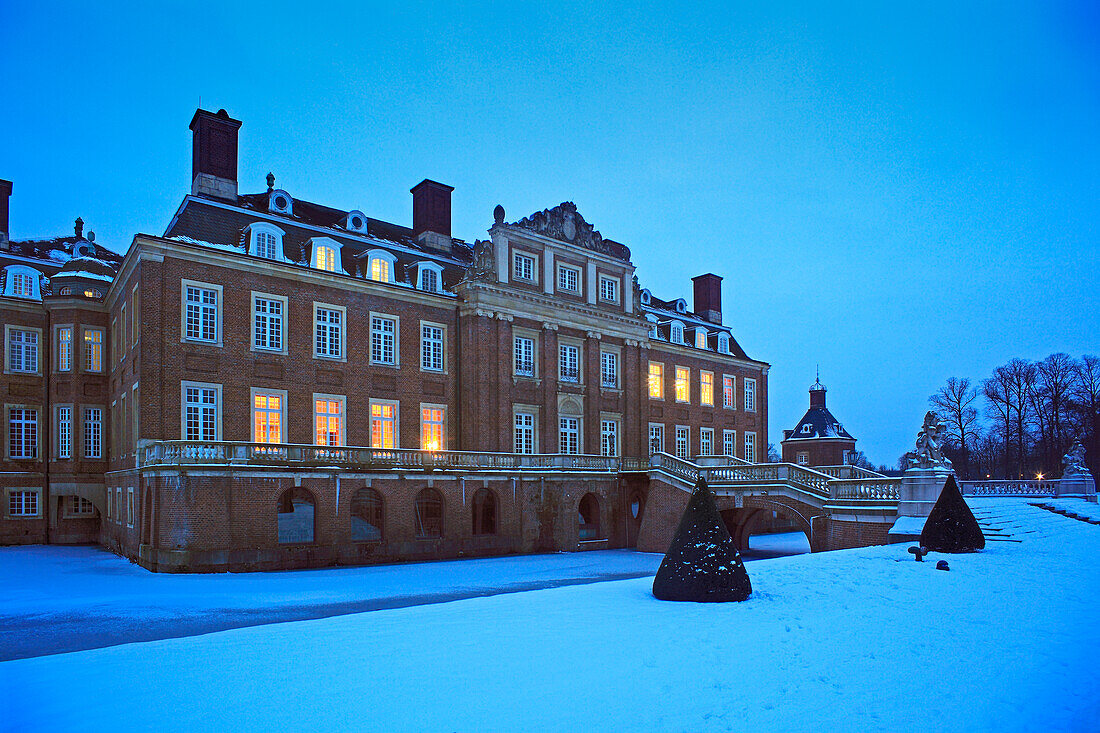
(706, 441)
(610, 429)
(390, 260)
(327, 325)
(396, 336)
(217, 388)
(682, 441)
(731, 402)
(396, 405)
(130, 507)
(518, 270)
(609, 369)
(723, 343)
(660, 382)
(10, 273)
(655, 437)
(802, 458)
(441, 423)
(8, 432)
(282, 395)
(609, 283)
(428, 361)
(729, 443)
(64, 352)
(562, 279)
(676, 332)
(85, 344)
(570, 430)
(704, 400)
(32, 346)
(700, 338)
(257, 228)
(422, 269)
(749, 402)
(23, 491)
(91, 432)
(64, 436)
(568, 352)
(340, 399)
(315, 244)
(218, 310)
(525, 423)
(256, 315)
(676, 384)
(750, 446)
(519, 360)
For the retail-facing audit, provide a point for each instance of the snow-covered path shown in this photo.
(855, 640)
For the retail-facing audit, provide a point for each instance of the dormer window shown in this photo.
(676, 332)
(645, 296)
(280, 202)
(83, 249)
(700, 338)
(356, 221)
(381, 266)
(65, 291)
(652, 326)
(429, 277)
(265, 240)
(723, 343)
(22, 282)
(324, 258)
(681, 306)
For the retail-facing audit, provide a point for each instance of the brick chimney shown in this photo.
(432, 214)
(214, 155)
(708, 297)
(5, 192)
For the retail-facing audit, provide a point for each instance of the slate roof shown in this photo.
(665, 311)
(818, 422)
(52, 253)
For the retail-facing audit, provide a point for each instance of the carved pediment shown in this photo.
(564, 223)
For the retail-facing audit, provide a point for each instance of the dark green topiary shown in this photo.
(951, 526)
(702, 564)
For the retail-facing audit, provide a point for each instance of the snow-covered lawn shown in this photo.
(855, 640)
(1080, 507)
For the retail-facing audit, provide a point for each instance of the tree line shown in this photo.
(1019, 421)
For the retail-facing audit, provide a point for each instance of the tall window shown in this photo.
(569, 363)
(93, 432)
(383, 425)
(23, 504)
(93, 350)
(523, 351)
(609, 438)
(429, 514)
(328, 419)
(265, 245)
(65, 432)
(682, 435)
(729, 442)
(380, 270)
(656, 438)
(22, 433)
(329, 332)
(267, 411)
(202, 313)
(656, 380)
(431, 348)
(723, 343)
(65, 349)
(609, 369)
(324, 258)
(683, 384)
(676, 332)
(22, 285)
(523, 267)
(750, 447)
(382, 332)
(22, 351)
(750, 395)
(431, 428)
(728, 392)
(429, 280)
(700, 338)
(524, 435)
(569, 435)
(200, 413)
(129, 507)
(609, 290)
(268, 323)
(706, 389)
(568, 279)
(706, 441)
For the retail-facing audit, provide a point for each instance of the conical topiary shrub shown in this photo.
(702, 564)
(951, 526)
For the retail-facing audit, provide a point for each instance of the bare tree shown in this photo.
(1086, 409)
(997, 392)
(1052, 401)
(954, 405)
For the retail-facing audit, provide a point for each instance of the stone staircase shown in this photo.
(1066, 512)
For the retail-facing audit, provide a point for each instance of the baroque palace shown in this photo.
(275, 383)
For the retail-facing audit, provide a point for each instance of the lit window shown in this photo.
(609, 289)
(706, 389)
(523, 351)
(328, 332)
(700, 338)
(22, 285)
(23, 504)
(324, 258)
(677, 332)
(431, 348)
(65, 349)
(267, 322)
(569, 363)
(609, 369)
(523, 267)
(22, 433)
(728, 392)
(382, 340)
(656, 380)
(683, 384)
(569, 435)
(21, 281)
(569, 279)
(267, 411)
(93, 432)
(65, 432)
(682, 435)
(609, 438)
(328, 420)
(201, 313)
(380, 270)
(431, 428)
(750, 447)
(750, 395)
(200, 413)
(22, 351)
(93, 350)
(383, 425)
(92, 294)
(656, 438)
(706, 441)
(729, 441)
(524, 435)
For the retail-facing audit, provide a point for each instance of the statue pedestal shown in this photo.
(920, 488)
(1077, 486)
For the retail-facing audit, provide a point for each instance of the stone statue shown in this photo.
(484, 267)
(929, 448)
(1073, 463)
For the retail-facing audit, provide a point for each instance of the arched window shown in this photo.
(724, 343)
(700, 338)
(366, 516)
(676, 331)
(296, 517)
(65, 291)
(265, 240)
(324, 257)
(588, 517)
(21, 281)
(637, 506)
(429, 514)
(485, 512)
(381, 266)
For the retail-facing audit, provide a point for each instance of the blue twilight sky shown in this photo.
(899, 194)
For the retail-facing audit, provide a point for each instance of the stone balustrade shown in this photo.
(866, 489)
(1010, 487)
